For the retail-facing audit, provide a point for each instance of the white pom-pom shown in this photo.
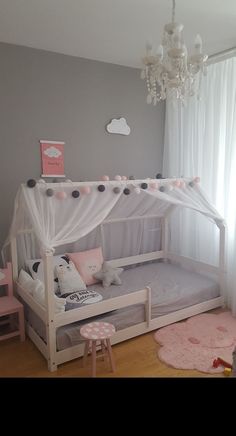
(105, 178)
(118, 178)
(137, 190)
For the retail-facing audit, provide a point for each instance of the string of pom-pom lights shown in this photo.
(160, 184)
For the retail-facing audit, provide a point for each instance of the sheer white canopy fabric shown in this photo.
(58, 222)
(200, 139)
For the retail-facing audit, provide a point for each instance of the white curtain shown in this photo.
(200, 140)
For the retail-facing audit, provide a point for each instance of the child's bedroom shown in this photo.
(118, 175)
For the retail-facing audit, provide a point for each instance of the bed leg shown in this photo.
(52, 366)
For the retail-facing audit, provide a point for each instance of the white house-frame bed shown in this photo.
(36, 213)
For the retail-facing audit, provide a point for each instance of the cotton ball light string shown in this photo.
(176, 183)
(61, 195)
(126, 191)
(116, 190)
(105, 178)
(31, 183)
(49, 192)
(101, 188)
(144, 185)
(85, 190)
(75, 194)
(153, 186)
(169, 187)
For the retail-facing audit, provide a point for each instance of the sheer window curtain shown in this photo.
(200, 140)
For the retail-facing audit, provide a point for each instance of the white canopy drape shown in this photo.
(58, 222)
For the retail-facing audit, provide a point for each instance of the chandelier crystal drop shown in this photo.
(171, 71)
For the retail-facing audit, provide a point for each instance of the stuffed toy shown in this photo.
(69, 279)
(108, 275)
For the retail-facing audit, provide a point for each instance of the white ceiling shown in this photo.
(114, 30)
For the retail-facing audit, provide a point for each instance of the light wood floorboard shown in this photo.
(136, 357)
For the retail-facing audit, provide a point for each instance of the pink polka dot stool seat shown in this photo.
(97, 334)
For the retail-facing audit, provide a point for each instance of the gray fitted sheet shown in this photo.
(172, 288)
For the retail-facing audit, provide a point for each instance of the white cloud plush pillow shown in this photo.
(69, 279)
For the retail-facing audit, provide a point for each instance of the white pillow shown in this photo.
(36, 268)
(39, 296)
(36, 288)
(26, 281)
(69, 279)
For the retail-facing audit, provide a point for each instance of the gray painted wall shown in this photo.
(45, 95)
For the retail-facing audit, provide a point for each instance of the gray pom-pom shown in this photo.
(159, 176)
(49, 192)
(144, 185)
(131, 178)
(116, 190)
(162, 189)
(191, 184)
(101, 188)
(31, 183)
(126, 191)
(75, 194)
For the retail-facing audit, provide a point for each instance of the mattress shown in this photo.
(172, 288)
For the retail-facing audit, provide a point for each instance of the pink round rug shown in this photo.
(196, 342)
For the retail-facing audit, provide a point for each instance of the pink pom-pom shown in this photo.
(124, 178)
(85, 190)
(177, 183)
(105, 178)
(182, 184)
(137, 190)
(61, 195)
(197, 179)
(153, 186)
(118, 178)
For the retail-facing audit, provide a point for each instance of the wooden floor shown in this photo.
(136, 357)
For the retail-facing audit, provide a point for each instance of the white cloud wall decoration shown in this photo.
(118, 126)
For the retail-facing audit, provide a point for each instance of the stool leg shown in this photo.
(110, 355)
(93, 358)
(21, 324)
(103, 348)
(86, 348)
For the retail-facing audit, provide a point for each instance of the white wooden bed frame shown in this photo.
(54, 320)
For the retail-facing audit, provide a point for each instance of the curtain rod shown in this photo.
(222, 55)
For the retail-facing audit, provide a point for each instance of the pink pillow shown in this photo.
(88, 263)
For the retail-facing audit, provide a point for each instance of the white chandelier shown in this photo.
(171, 72)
